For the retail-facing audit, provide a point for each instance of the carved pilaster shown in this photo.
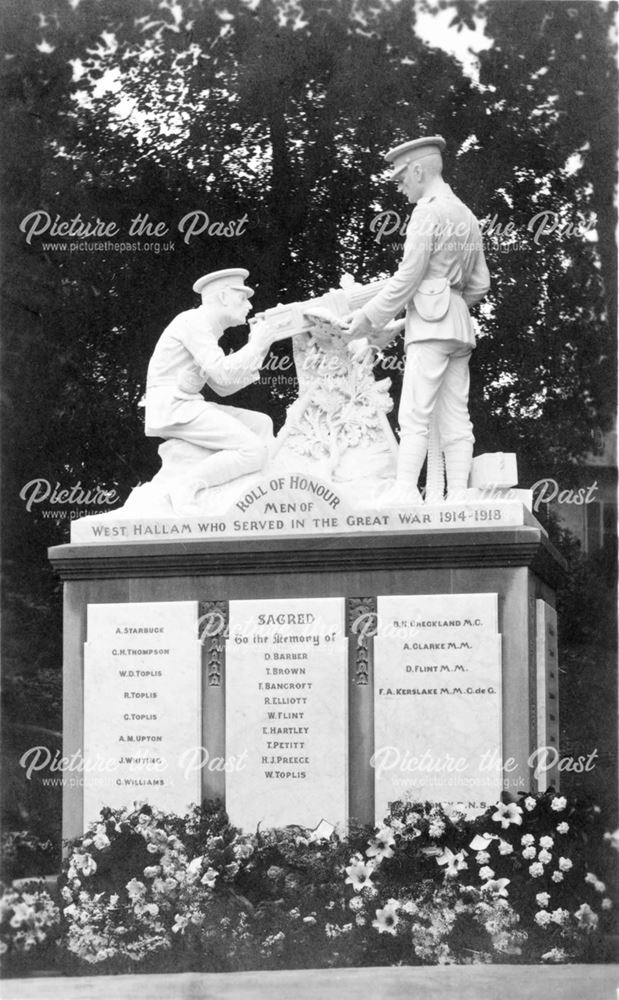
(212, 632)
(361, 628)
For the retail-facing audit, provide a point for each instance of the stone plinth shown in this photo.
(516, 564)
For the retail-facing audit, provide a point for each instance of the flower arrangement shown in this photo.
(29, 923)
(518, 880)
(145, 891)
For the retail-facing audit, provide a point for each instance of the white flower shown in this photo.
(529, 803)
(454, 862)
(309, 920)
(613, 839)
(385, 836)
(557, 876)
(359, 873)
(505, 847)
(542, 917)
(482, 857)
(542, 899)
(563, 827)
(606, 904)
(151, 871)
(535, 870)
(496, 886)
(382, 844)
(23, 914)
(555, 955)
(356, 903)
(558, 803)
(528, 853)
(507, 814)
(89, 865)
(135, 889)
(544, 857)
(193, 868)
(180, 922)
(209, 878)
(436, 828)
(546, 842)
(565, 864)
(411, 908)
(585, 916)
(593, 880)
(387, 919)
(559, 916)
(486, 872)
(101, 841)
(527, 839)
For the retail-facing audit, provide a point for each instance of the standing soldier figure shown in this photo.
(442, 273)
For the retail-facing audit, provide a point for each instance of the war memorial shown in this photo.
(300, 633)
(301, 641)
(288, 628)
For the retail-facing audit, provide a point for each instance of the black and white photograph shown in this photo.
(309, 499)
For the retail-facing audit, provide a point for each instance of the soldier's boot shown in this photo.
(411, 456)
(458, 462)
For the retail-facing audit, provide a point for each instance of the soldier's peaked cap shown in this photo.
(231, 277)
(400, 156)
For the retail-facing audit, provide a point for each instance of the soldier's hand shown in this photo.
(358, 325)
(358, 348)
(260, 334)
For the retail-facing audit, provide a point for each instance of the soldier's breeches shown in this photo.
(240, 440)
(436, 380)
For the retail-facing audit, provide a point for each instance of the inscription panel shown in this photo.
(286, 712)
(295, 504)
(141, 705)
(437, 670)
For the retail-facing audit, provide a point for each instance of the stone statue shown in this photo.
(442, 273)
(207, 444)
(337, 429)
